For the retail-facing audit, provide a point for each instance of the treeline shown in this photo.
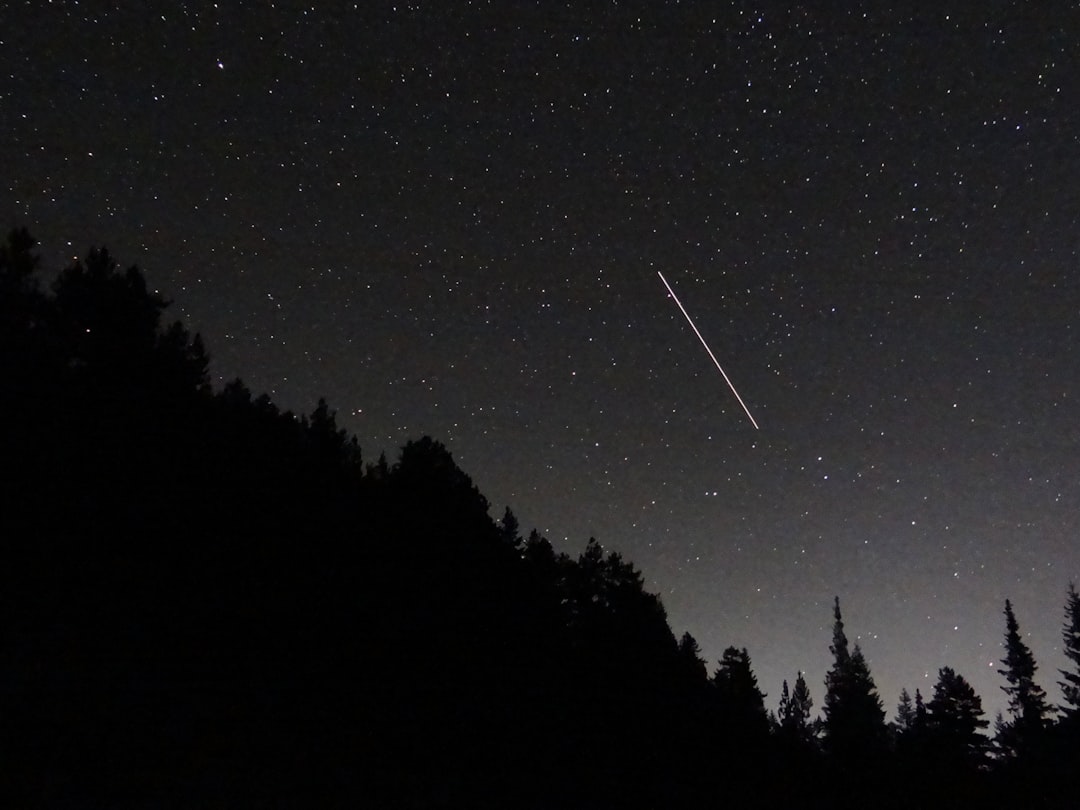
(206, 601)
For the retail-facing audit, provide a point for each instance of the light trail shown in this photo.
(706, 345)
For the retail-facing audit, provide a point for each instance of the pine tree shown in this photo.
(784, 709)
(22, 307)
(741, 704)
(380, 470)
(910, 727)
(691, 662)
(510, 529)
(854, 716)
(905, 712)
(1070, 634)
(793, 716)
(839, 646)
(954, 722)
(20, 300)
(1028, 709)
(801, 704)
(18, 262)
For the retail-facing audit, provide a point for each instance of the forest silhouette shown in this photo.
(209, 602)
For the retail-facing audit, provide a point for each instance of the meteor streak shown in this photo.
(706, 345)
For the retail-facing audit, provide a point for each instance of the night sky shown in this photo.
(449, 218)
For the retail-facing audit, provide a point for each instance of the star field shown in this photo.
(449, 218)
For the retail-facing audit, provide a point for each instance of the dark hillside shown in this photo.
(207, 602)
(207, 599)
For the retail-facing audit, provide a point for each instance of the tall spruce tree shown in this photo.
(1028, 711)
(854, 716)
(1070, 636)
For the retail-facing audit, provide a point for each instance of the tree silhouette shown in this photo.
(108, 327)
(18, 263)
(380, 470)
(954, 718)
(785, 699)
(20, 300)
(510, 529)
(793, 714)
(27, 360)
(1070, 635)
(854, 722)
(691, 662)
(740, 702)
(1028, 710)
(22, 305)
(110, 319)
(905, 712)
(910, 730)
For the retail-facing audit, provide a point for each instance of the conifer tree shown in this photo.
(854, 717)
(21, 310)
(784, 708)
(801, 704)
(1070, 635)
(1028, 709)
(905, 712)
(910, 725)
(691, 662)
(20, 300)
(920, 710)
(510, 529)
(793, 715)
(741, 703)
(955, 720)
(380, 470)
(18, 262)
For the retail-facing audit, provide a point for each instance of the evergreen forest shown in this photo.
(208, 602)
